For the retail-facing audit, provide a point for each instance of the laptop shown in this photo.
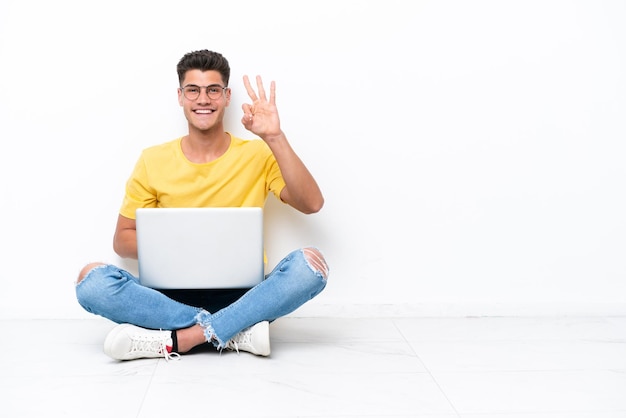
(200, 248)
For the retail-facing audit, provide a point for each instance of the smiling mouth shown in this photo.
(203, 111)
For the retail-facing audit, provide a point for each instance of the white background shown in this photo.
(471, 153)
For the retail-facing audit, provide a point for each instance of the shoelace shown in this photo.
(152, 345)
(243, 338)
(169, 356)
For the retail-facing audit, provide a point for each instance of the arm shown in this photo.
(261, 118)
(125, 238)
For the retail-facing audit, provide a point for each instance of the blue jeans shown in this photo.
(116, 294)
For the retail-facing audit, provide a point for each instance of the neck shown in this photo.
(203, 147)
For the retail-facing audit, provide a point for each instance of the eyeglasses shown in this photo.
(192, 92)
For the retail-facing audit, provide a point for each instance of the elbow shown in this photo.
(314, 207)
(306, 203)
(117, 248)
(123, 249)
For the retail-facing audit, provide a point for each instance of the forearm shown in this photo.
(125, 243)
(302, 191)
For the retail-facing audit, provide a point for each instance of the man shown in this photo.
(207, 167)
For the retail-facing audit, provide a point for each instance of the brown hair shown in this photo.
(203, 60)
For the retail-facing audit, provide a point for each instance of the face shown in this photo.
(204, 113)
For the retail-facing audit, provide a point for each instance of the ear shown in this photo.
(228, 92)
(180, 96)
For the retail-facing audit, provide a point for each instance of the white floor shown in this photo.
(329, 367)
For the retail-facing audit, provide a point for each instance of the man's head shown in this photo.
(203, 60)
(204, 94)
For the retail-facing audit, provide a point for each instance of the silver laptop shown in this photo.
(200, 248)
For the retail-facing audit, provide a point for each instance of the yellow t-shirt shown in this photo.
(164, 177)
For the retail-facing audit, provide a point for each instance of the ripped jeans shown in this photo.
(116, 294)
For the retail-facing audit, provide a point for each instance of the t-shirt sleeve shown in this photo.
(138, 192)
(275, 181)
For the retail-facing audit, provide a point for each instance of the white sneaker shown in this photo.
(255, 340)
(130, 342)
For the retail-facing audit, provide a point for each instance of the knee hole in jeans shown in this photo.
(316, 260)
(87, 269)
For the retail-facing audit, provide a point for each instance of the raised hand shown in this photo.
(261, 117)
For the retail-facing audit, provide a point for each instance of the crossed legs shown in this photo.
(115, 294)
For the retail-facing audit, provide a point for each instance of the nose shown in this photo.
(204, 95)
